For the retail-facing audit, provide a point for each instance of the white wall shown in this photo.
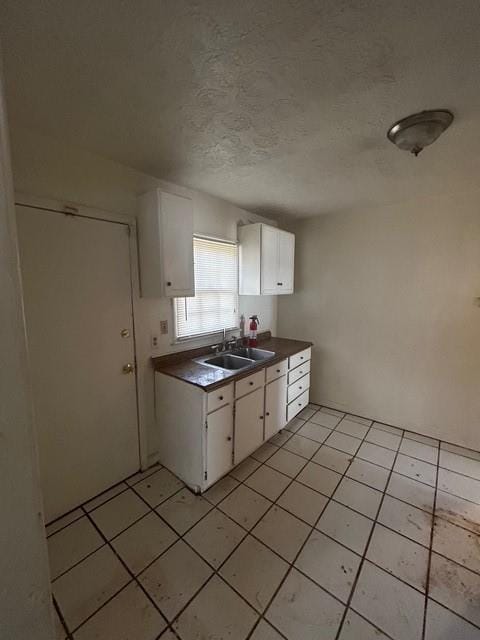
(25, 610)
(47, 168)
(388, 298)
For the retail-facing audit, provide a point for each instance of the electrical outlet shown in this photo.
(164, 327)
(154, 341)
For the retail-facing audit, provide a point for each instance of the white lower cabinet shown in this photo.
(297, 405)
(248, 425)
(275, 403)
(203, 435)
(298, 387)
(298, 392)
(219, 443)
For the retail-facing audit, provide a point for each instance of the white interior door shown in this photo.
(78, 307)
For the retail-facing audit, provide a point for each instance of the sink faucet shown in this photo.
(225, 345)
(221, 345)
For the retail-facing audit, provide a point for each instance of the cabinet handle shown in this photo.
(169, 284)
(301, 357)
(279, 284)
(299, 404)
(220, 397)
(260, 417)
(229, 438)
(250, 383)
(268, 413)
(278, 370)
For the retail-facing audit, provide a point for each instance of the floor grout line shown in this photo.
(364, 557)
(248, 531)
(124, 481)
(61, 618)
(215, 570)
(302, 547)
(430, 549)
(313, 528)
(128, 570)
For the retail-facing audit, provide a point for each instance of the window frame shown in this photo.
(199, 336)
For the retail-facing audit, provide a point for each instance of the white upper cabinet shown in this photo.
(269, 258)
(266, 260)
(165, 234)
(286, 259)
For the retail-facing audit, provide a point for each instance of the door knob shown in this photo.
(128, 368)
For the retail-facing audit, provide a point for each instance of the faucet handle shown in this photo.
(232, 342)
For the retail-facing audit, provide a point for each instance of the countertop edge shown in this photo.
(227, 378)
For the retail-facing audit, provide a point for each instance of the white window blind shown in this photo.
(214, 306)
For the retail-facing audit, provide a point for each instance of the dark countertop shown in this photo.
(182, 366)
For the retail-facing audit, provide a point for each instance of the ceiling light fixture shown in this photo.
(416, 132)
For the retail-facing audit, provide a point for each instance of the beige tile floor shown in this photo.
(337, 529)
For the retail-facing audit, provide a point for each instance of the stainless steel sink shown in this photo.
(227, 361)
(253, 353)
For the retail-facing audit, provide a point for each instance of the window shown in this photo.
(214, 306)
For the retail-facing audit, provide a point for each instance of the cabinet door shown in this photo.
(275, 406)
(248, 425)
(219, 443)
(269, 260)
(177, 242)
(286, 257)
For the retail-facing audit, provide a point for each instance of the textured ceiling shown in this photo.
(278, 106)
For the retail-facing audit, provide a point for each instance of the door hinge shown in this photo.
(206, 424)
(205, 475)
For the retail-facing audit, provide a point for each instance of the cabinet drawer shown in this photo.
(298, 387)
(219, 397)
(298, 372)
(277, 370)
(300, 358)
(245, 385)
(297, 405)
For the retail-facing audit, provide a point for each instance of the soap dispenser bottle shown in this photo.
(242, 326)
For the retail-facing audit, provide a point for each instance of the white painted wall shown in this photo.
(25, 610)
(47, 168)
(388, 298)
